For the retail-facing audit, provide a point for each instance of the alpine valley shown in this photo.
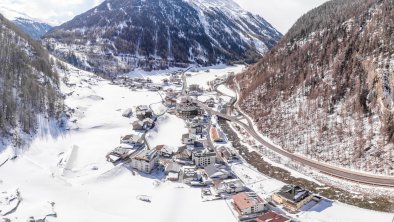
(121, 35)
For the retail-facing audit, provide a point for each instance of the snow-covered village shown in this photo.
(92, 132)
(144, 146)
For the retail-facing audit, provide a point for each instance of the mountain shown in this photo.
(326, 90)
(33, 28)
(28, 84)
(120, 35)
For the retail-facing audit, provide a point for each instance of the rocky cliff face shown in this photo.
(326, 90)
(120, 35)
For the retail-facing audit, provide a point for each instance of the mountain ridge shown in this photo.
(326, 90)
(35, 28)
(157, 34)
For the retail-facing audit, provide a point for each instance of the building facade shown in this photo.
(145, 161)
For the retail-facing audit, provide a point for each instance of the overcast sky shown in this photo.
(280, 13)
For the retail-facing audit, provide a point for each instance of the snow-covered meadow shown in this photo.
(67, 173)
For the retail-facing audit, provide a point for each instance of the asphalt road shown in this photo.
(354, 176)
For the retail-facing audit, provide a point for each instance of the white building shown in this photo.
(165, 151)
(230, 186)
(248, 203)
(132, 139)
(215, 173)
(203, 158)
(145, 161)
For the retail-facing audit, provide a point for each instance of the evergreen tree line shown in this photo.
(28, 83)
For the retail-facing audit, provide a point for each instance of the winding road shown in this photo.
(350, 175)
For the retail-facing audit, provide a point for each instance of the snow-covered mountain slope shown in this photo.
(28, 84)
(33, 27)
(120, 35)
(326, 91)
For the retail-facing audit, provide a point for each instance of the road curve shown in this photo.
(354, 176)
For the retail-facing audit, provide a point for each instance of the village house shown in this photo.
(172, 171)
(171, 93)
(164, 151)
(145, 161)
(143, 112)
(127, 113)
(198, 120)
(247, 203)
(170, 102)
(132, 139)
(201, 143)
(195, 90)
(187, 109)
(196, 129)
(165, 82)
(203, 158)
(190, 176)
(229, 186)
(118, 154)
(183, 154)
(138, 125)
(215, 173)
(271, 216)
(216, 135)
(154, 87)
(227, 155)
(292, 197)
(172, 167)
(210, 102)
(187, 139)
(148, 123)
(176, 79)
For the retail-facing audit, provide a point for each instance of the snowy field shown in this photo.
(66, 172)
(327, 211)
(226, 91)
(202, 77)
(259, 183)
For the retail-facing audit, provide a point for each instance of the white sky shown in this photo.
(280, 13)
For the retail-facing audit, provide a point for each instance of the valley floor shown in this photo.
(64, 176)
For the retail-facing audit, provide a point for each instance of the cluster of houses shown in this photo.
(251, 207)
(195, 90)
(176, 79)
(188, 109)
(197, 162)
(133, 145)
(138, 83)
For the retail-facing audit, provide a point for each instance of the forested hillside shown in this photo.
(326, 91)
(28, 83)
(120, 35)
